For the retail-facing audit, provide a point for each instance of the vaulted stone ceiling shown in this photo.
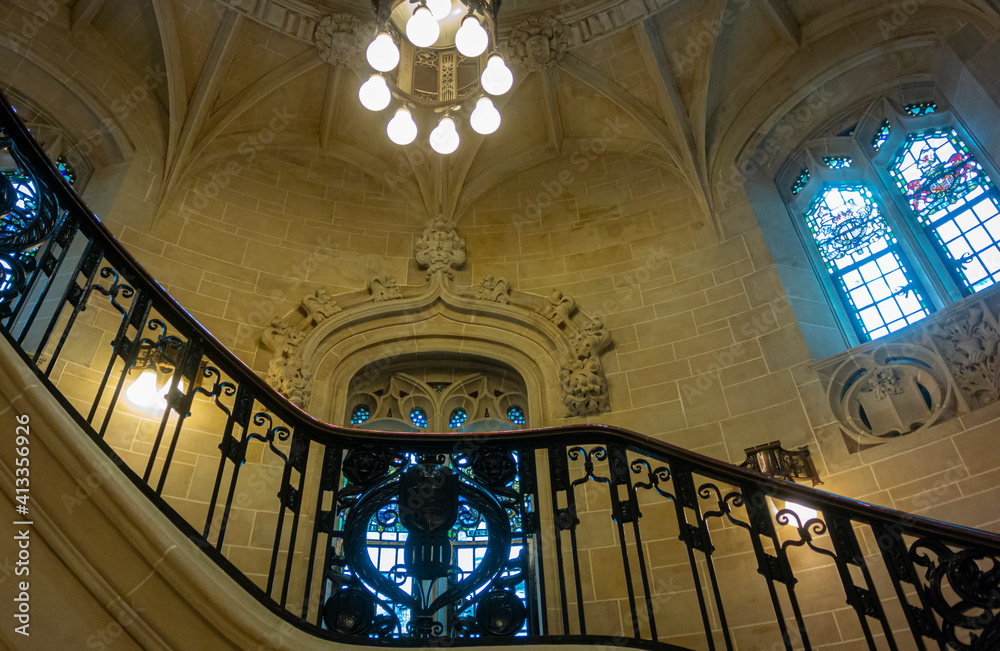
(670, 78)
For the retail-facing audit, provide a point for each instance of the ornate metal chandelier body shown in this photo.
(440, 56)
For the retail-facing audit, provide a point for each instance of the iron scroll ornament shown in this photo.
(427, 496)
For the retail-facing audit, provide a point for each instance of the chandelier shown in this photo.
(440, 56)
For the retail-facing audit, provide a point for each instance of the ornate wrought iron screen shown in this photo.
(580, 534)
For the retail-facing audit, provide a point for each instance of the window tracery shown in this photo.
(913, 203)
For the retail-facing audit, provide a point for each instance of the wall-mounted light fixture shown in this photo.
(155, 370)
(772, 460)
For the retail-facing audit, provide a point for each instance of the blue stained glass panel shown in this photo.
(921, 108)
(418, 417)
(838, 162)
(863, 257)
(458, 418)
(360, 414)
(801, 181)
(515, 415)
(955, 201)
(881, 135)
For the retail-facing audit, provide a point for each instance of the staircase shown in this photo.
(584, 535)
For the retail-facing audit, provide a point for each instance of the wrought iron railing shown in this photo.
(577, 534)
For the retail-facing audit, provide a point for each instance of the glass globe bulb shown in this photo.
(382, 53)
(421, 28)
(374, 93)
(444, 138)
(497, 77)
(471, 39)
(143, 391)
(439, 8)
(485, 119)
(402, 129)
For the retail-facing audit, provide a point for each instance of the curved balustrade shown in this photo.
(577, 534)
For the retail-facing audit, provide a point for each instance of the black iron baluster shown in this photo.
(530, 527)
(772, 568)
(622, 513)
(291, 499)
(120, 345)
(46, 263)
(51, 266)
(864, 601)
(563, 519)
(323, 521)
(125, 349)
(76, 296)
(235, 451)
(897, 561)
(180, 401)
(696, 538)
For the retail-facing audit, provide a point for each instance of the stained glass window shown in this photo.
(838, 162)
(801, 181)
(457, 418)
(862, 255)
(418, 417)
(881, 135)
(20, 217)
(360, 414)
(66, 170)
(954, 201)
(515, 415)
(920, 108)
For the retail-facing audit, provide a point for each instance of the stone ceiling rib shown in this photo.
(654, 55)
(553, 122)
(83, 13)
(205, 93)
(331, 106)
(243, 101)
(176, 82)
(780, 14)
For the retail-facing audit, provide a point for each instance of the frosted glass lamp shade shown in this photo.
(382, 53)
(444, 138)
(439, 8)
(485, 119)
(497, 77)
(421, 28)
(471, 39)
(402, 129)
(374, 93)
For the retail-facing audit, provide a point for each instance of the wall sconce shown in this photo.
(772, 460)
(155, 370)
(775, 461)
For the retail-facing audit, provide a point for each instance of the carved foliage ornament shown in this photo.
(584, 385)
(341, 40)
(440, 249)
(384, 289)
(494, 290)
(970, 345)
(537, 43)
(287, 373)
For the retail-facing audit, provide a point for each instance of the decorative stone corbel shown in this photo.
(584, 385)
(537, 43)
(970, 345)
(558, 308)
(320, 306)
(440, 249)
(384, 289)
(287, 373)
(494, 290)
(341, 40)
